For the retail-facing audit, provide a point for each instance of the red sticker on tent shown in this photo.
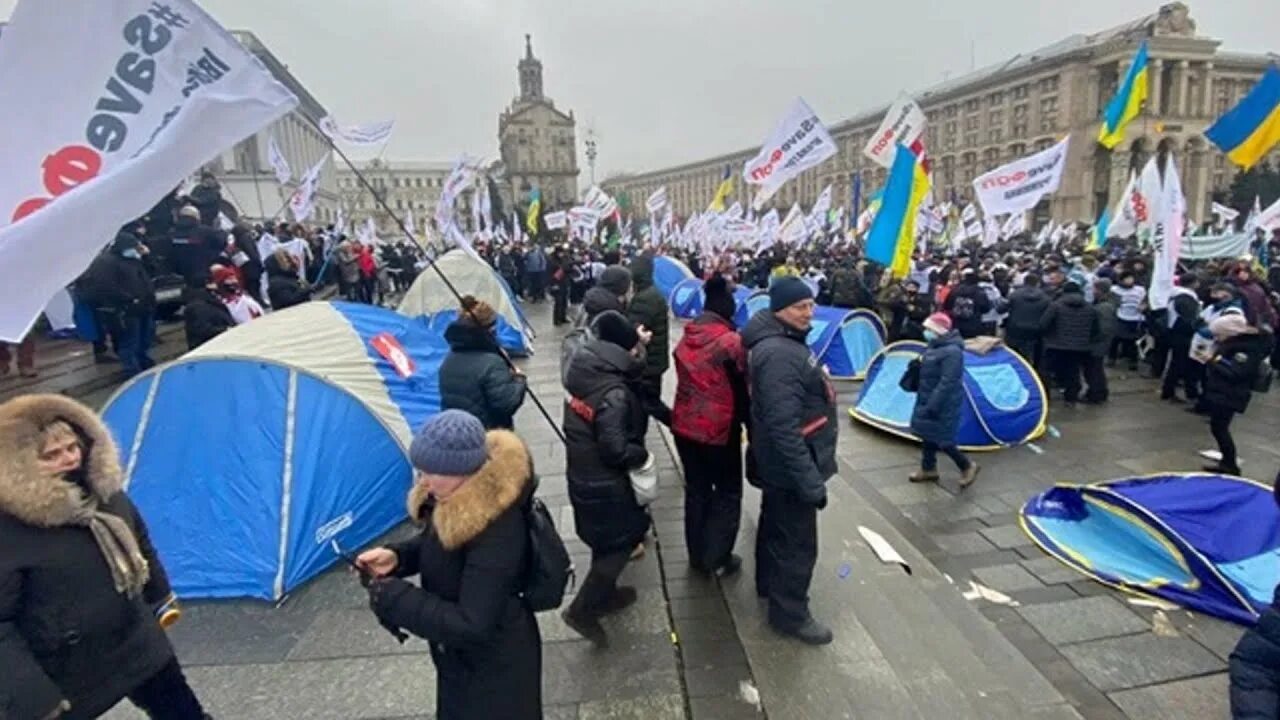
(390, 348)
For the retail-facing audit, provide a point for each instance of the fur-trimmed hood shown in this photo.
(32, 496)
(502, 482)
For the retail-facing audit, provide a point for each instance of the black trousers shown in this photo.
(1095, 374)
(560, 313)
(1066, 366)
(1030, 348)
(1255, 688)
(929, 456)
(167, 696)
(786, 552)
(600, 584)
(712, 499)
(1180, 370)
(1220, 426)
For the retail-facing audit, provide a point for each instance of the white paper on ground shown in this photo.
(882, 548)
(982, 592)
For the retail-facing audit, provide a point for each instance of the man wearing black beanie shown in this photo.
(793, 454)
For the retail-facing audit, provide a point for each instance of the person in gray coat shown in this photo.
(474, 376)
(793, 444)
(936, 416)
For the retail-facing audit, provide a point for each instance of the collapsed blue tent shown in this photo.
(687, 297)
(1207, 542)
(667, 273)
(845, 340)
(1005, 404)
(430, 298)
(250, 453)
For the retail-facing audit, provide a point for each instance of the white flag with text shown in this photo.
(1021, 184)
(302, 202)
(902, 125)
(800, 141)
(371, 134)
(279, 164)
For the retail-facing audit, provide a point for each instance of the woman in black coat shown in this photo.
(284, 289)
(471, 492)
(80, 584)
(604, 424)
(474, 376)
(1229, 377)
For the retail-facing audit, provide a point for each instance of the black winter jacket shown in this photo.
(968, 326)
(208, 200)
(595, 301)
(118, 284)
(1229, 376)
(793, 410)
(472, 559)
(649, 308)
(65, 632)
(204, 315)
(475, 378)
(284, 289)
(604, 426)
(1026, 307)
(1070, 323)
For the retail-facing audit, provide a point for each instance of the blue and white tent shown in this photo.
(429, 297)
(250, 453)
(667, 273)
(1205, 541)
(1004, 402)
(845, 340)
(687, 297)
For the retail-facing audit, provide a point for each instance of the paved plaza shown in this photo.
(907, 645)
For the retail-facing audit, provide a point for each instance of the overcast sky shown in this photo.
(661, 81)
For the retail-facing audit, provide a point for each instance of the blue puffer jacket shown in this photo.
(937, 413)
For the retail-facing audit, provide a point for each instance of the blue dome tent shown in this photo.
(250, 453)
(758, 300)
(667, 273)
(1005, 404)
(1207, 542)
(429, 297)
(687, 297)
(845, 340)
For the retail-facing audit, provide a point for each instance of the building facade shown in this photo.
(1000, 113)
(405, 185)
(247, 179)
(537, 143)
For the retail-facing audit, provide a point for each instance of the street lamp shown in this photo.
(591, 155)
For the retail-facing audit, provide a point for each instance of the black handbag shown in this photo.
(910, 380)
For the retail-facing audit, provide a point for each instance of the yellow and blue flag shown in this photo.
(535, 205)
(1250, 129)
(722, 192)
(1127, 103)
(893, 232)
(1098, 236)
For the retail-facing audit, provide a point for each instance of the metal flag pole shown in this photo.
(440, 273)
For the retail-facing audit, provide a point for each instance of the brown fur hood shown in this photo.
(32, 496)
(482, 498)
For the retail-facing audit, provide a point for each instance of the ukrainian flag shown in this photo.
(1098, 236)
(1250, 129)
(1127, 103)
(535, 205)
(893, 232)
(722, 192)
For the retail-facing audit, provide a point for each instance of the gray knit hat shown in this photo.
(616, 279)
(451, 443)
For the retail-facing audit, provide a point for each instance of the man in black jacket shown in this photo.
(793, 445)
(1070, 328)
(648, 309)
(966, 305)
(1182, 318)
(1025, 307)
(119, 287)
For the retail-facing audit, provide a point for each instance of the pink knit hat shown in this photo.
(940, 323)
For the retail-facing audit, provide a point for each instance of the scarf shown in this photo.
(119, 547)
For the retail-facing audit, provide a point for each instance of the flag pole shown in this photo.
(440, 273)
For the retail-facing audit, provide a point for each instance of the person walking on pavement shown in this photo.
(793, 447)
(604, 426)
(936, 416)
(711, 403)
(83, 593)
(474, 376)
(1229, 378)
(470, 494)
(1070, 328)
(648, 309)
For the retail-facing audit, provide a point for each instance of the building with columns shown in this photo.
(536, 142)
(405, 185)
(247, 179)
(989, 117)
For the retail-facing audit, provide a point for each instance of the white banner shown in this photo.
(821, 206)
(1204, 247)
(1131, 209)
(1021, 184)
(584, 217)
(1269, 219)
(1015, 225)
(409, 224)
(278, 162)
(143, 94)
(302, 202)
(1166, 238)
(797, 143)
(371, 134)
(1225, 213)
(656, 201)
(600, 201)
(555, 220)
(903, 124)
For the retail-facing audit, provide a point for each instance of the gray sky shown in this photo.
(661, 81)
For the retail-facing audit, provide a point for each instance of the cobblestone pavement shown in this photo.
(907, 645)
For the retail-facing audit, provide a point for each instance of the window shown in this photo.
(971, 122)
(1019, 129)
(995, 98)
(993, 135)
(971, 139)
(951, 127)
(951, 111)
(1020, 111)
(995, 117)
(1048, 123)
(1020, 92)
(972, 105)
(1017, 150)
(949, 143)
(1049, 104)
(1049, 84)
